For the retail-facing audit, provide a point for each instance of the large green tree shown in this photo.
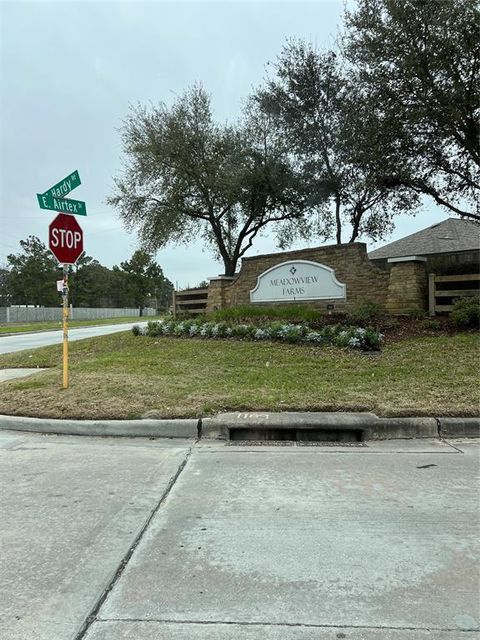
(32, 275)
(145, 281)
(419, 60)
(188, 177)
(94, 285)
(334, 130)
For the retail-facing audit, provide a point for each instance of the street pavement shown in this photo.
(21, 341)
(140, 539)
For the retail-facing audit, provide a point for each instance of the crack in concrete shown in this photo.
(280, 624)
(453, 446)
(92, 616)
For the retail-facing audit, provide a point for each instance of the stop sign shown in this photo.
(65, 238)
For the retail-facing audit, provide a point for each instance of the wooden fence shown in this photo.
(191, 301)
(444, 290)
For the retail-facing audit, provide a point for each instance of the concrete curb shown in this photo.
(459, 427)
(129, 428)
(220, 426)
(371, 426)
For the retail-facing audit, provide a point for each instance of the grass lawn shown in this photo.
(25, 327)
(121, 376)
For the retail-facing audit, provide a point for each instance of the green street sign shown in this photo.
(54, 198)
(65, 205)
(63, 187)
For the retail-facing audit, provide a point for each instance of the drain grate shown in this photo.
(290, 443)
(331, 444)
(301, 436)
(260, 443)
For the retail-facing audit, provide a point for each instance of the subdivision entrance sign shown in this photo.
(298, 280)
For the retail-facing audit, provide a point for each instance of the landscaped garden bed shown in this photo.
(365, 339)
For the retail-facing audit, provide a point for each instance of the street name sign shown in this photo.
(67, 205)
(65, 239)
(62, 188)
(54, 198)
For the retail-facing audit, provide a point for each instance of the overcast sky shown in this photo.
(69, 71)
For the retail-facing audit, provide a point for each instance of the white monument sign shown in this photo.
(296, 281)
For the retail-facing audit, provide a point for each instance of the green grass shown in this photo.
(26, 327)
(121, 376)
(289, 313)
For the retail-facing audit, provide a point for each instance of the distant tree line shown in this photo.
(334, 144)
(30, 276)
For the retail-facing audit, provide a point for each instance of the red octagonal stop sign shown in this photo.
(65, 239)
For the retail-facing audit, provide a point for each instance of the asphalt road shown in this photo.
(137, 539)
(22, 341)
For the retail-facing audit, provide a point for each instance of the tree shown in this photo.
(187, 177)
(420, 62)
(4, 287)
(93, 285)
(33, 274)
(145, 279)
(334, 131)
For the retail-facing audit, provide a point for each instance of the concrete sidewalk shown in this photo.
(305, 539)
(133, 539)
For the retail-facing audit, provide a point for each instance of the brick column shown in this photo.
(407, 286)
(218, 293)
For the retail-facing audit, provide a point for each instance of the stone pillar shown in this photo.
(407, 286)
(218, 293)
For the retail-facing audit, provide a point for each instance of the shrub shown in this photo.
(154, 328)
(167, 327)
(431, 324)
(466, 312)
(359, 338)
(316, 337)
(331, 330)
(291, 333)
(194, 330)
(262, 334)
(136, 330)
(417, 314)
(366, 312)
(206, 330)
(180, 328)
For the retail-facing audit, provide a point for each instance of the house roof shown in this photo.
(449, 236)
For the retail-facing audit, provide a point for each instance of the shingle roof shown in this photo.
(451, 235)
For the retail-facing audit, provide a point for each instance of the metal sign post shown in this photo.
(65, 326)
(65, 239)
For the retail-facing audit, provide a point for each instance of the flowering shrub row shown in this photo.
(338, 335)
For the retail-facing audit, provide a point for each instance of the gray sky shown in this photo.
(69, 71)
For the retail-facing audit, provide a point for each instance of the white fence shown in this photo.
(46, 314)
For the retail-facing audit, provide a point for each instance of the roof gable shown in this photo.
(449, 236)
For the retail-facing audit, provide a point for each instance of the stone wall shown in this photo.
(219, 293)
(352, 267)
(407, 287)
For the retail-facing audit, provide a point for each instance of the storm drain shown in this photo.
(301, 437)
